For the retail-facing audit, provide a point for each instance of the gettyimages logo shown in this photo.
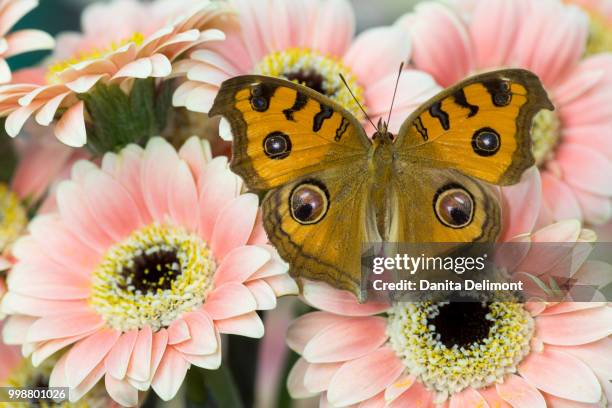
(580, 272)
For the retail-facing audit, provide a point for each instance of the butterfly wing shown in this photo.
(480, 127)
(283, 130)
(444, 205)
(310, 157)
(319, 223)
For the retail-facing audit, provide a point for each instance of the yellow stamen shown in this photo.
(13, 217)
(545, 135)
(319, 72)
(179, 269)
(448, 370)
(96, 53)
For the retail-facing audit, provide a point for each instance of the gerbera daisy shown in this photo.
(147, 261)
(100, 71)
(40, 162)
(21, 41)
(18, 372)
(572, 145)
(460, 355)
(310, 42)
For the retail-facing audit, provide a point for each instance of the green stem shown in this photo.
(221, 385)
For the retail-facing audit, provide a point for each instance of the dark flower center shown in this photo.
(311, 79)
(462, 323)
(153, 271)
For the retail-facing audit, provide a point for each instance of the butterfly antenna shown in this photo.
(395, 91)
(357, 100)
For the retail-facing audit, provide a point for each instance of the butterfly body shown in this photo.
(329, 189)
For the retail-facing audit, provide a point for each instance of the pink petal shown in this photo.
(324, 297)
(441, 44)
(295, 381)
(77, 216)
(121, 391)
(70, 129)
(595, 137)
(396, 389)
(118, 358)
(263, 294)
(596, 355)
(229, 300)
(156, 176)
(141, 68)
(48, 348)
(585, 168)
(364, 377)
(307, 326)
(234, 224)
(219, 187)
(16, 120)
(493, 399)
(183, 198)
(27, 40)
(493, 31)
(520, 393)
(209, 361)
(248, 324)
(377, 52)
(196, 153)
(140, 361)
(596, 209)
(240, 263)
(178, 332)
(562, 375)
(560, 198)
(350, 339)
(283, 285)
(521, 205)
(318, 376)
(13, 303)
(111, 205)
(55, 327)
(468, 398)
(87, 384)
(416, 396)
(566, 29)
(203, 340)
(170, 374)
(85, 356)
(335, 27)
(581, 327)
(14, 329)
(555, 402)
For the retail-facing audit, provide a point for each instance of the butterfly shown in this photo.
(328, 188)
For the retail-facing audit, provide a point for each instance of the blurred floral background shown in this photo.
(135, 269)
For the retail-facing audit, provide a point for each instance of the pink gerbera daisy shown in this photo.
(18, 372)
(573, 144)
(147, 261)
(21, 41)
(41, 162)
(121, 42)
(310, 42)
(458, 355)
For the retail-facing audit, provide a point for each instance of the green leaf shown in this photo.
(118, 119)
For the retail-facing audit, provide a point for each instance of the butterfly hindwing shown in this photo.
(480, 126)
(284, 130)
(319, 223)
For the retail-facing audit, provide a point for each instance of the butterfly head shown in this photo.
(382, 134)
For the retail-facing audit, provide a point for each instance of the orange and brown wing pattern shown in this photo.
(480, 127)
(283, 130)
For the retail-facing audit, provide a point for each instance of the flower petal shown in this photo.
(562, 375)
(364, 377)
